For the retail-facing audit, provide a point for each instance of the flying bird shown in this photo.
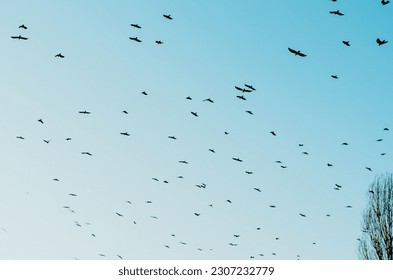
(72, 194)
(241, 97)
(46, 141)
(249, 112)
(257, 189)
(209, 100)
(41, 121)
(385, 2)
(329, 164)
(334, 76)
(20, 137)
(118, 214)
(195, 114)
(197, 214)
(273, 133)
(368, 168)
(346, 43)
(283, 166)
(211, 150)
(237, 159)
(188, 98)
(302, 215)
(168, 17)
(242, 89)
(249, 86)
(135, 25)
(381, 42)
(172, 137)
(135, 39)
(299, 53)
(68, 139)
(84, 112)
(125, 133)
(86, 153)
(386, 129)
(301, 145)
(304, 153)
(338, 13)
(144, 92)
(249, 172)
(22, 26)
(379, 140)
(125, 112)
(159, 42)
(19, 37)
(183, 161)
(344, 143)
(59, 55)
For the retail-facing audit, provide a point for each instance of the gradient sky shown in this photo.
(209, 48)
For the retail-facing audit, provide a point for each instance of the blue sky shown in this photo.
(209, 48)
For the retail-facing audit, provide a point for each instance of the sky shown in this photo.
(208, 49)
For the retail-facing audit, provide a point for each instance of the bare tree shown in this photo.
(376, 242)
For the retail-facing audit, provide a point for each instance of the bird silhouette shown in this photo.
(346, 43)
(183, 161)
(386, 129)
(272, 206)
(273, 133)
(249, 86)
(334, 76)
(211, 150)
(19, 37)
(159, 42)
(197, 214)
(20, 137)
(278, 161)
(229, 201)
(348, 206)
(46, 141)
(236, 235)
(84, 112)
(125, 133)
(135, 39)
(249, 112)
(241, 97)
(381, 42)
(22, 26)
(284, 166)
(249, 172)
(302, 215)
(304, 153)
(242, 89)
(135, 25)
(144, 92)
(125, 112)
(168, 17)
(299, 53)
(59, 55)
(301, 145)
(68, 139)
(86, 153)
(233, 244)
(118, 214)
(172, 137)
(384, 2)
(379, 140)
(155, 179)
(41, 121)
(338, 13)
(368, 168)
(329, 164)
(56, 180)
(188, 98)
(195, 114)
(72, 194)
(257, 189)
(344, 143)
(237, 159)
(209, 100)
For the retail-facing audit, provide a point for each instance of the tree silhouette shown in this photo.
(376, 242)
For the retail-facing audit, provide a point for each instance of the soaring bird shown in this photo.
(158, 42)
(236, 235)
(46, 141)
(304, 153)
(59, 55)
(20, 137)
(301, 145)
(338, 13)
(229, 201)
(386, 129)
(379, 140)
(237, 159)
(302, 215)
(249, 86)
(172, 137)
(168, 17)
(211, 150)
(368, 168)
(273, 133)
(22, 26)
(144, 92)
(135, 25)
(19, 37)
(68, 139)
(338, 186)
(125, 112)
(41, 121)
(278, 161)
(348, 206)
(272, 206)
(248, 111)
(197, 214)
(195, 114)
(233, 244)
(125, 133)
(241, 97)
(56, 180)
(344, 143)
(249, 172)
(384, 2)
(72, 194)
(183, 161)
(155, 179)
(118, 214)
(257, 189)
(84, 112)
(299, 53)
(329, 164)
(209, 100)
(283, 166)
(381, 42)
(188, 98)
(346, 43)
(242, 89)
(86, 153)
(334, 76)
(135, 39)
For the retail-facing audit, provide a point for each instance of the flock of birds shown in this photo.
(242, 92)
